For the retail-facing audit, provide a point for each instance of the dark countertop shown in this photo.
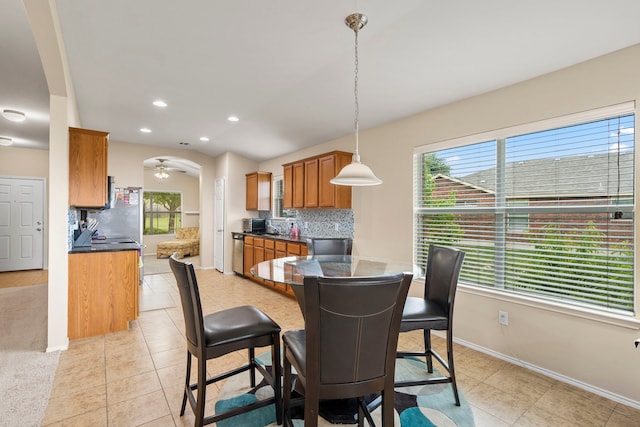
(284, 237)
(113, 244)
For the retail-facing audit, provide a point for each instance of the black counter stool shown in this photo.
(435, 312)
(217, 334)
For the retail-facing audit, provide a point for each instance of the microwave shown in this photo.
(254, 225)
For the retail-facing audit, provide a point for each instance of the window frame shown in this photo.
(145, 212)
(627, 108)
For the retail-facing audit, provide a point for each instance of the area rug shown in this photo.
(26, 371)
(419, 406)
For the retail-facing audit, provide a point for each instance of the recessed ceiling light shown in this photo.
(233, 119)
(145, 130)
(5, 141)
(14, 115)
(204, 139)
(159, 103)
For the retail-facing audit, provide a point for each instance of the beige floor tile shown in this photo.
(538, 417)
(574, 405)
(504, 406)
(166, 421)
(132, 387)
(124, 368)
(484, 419)
(517, 380)
(78, 378)
(139, 410)
(175, 356)
(619, 419)
(96, 418)
(75, 404)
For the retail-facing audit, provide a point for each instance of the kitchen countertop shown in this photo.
(112, 244)
(300, 239)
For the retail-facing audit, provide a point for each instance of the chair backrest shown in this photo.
(329, 246)
(441, 280)
(352, 326)
(190, 298)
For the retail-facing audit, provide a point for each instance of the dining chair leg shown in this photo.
(427, 350)
(287, 387)
(388, 407)
(311, 408)
(452, 373)
(187, 383)
(201, 391)
(252, 364)
(276, 373)
(361, 412)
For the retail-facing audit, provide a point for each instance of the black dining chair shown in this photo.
(329, 246)
(434, 311)
(348, 346)
(217, 334)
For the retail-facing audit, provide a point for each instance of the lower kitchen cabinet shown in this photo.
(258, 249)
(103, 292)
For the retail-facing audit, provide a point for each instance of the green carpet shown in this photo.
(420, 406)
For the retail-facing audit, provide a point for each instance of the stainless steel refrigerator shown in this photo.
(124, 217)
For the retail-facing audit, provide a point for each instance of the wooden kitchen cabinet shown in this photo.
(287, 174)
(258, 249)
(258, 194)
(298, 185)
(311, 183)
(88, 168)
(103, 292)
(248, 256)
(307, 182)
(330, 195)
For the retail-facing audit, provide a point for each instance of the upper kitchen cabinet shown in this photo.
(88, 168)
(306, 182)
(330, 195)
(258, 191)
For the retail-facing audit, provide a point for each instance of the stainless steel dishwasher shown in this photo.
(237, 260)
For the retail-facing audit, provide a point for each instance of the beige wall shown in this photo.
(177, 182)
(126, 166)
(24, 162)
(590, 351)
(233, 168)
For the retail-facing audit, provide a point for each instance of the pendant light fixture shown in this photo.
(356, 173)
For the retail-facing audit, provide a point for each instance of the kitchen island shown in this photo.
(103, 287)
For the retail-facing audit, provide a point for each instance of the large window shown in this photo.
(540, 210)
(162, 212)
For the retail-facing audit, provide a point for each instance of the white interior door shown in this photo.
(21, 223)
(218, 245)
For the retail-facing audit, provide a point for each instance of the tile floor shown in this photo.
(134, 378)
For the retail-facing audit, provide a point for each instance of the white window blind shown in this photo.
(548, 213)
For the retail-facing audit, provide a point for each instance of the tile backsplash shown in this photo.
(316, 222)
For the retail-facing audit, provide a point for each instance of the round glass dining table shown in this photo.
(292, 270)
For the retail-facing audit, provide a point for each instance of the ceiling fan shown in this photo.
(162, 170)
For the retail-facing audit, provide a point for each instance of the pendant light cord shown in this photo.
(356, 157)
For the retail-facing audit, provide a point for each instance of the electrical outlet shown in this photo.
(306, 225)
(503, 318)
(337, 226)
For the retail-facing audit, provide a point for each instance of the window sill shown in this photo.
(621, 320)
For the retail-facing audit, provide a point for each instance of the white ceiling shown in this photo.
(285, 67)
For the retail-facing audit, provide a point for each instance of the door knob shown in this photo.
(39, 229)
